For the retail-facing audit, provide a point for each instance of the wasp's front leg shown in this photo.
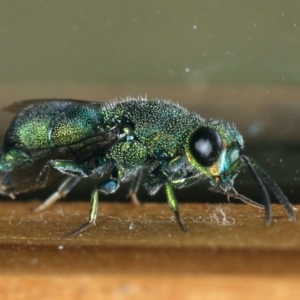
(182, 182)
(173, 204)
(155, 181)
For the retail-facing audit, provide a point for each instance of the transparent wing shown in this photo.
(18, 106)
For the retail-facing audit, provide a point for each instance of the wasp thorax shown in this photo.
(205, 146)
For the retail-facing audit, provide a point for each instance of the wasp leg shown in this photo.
(159, 177)
(186, 181)
(61, 192)
(179, 183)
(172, 201)
(108, 187)
(135, 187)
(63, 166)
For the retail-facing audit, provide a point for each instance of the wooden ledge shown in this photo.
(140, 253)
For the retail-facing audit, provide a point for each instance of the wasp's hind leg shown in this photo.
(65, 167)
(134, 188)
(109, 186)
(61, 192)
(77, 171)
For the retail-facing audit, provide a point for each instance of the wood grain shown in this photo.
(140, 253)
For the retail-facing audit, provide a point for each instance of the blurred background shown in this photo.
(232, 60)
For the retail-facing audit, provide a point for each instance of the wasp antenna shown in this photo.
(265, 195)
(276, 191)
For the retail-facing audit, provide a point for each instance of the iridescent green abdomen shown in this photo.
(47, 126)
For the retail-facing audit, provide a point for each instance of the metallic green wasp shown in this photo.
(171, 146)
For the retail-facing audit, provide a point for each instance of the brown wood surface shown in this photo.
(140, 253)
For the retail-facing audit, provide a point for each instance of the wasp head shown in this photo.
(215, 151)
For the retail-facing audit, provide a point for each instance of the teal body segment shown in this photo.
(170, 146)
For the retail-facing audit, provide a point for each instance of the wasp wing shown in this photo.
(18, 106)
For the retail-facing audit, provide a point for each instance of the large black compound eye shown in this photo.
(205, 146)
